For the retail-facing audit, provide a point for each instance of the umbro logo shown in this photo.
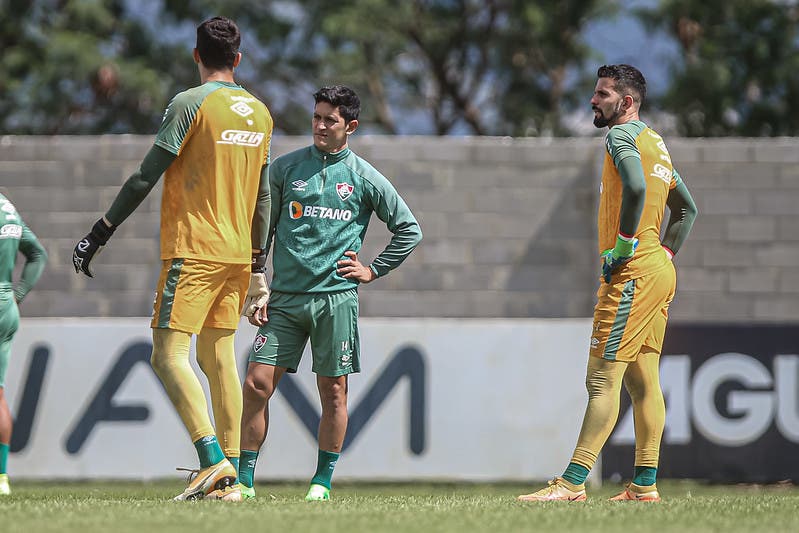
(7, 207)
(299, 185)
(242, 109)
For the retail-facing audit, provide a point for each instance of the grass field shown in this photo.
(419, 508)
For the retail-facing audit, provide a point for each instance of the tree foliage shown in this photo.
(482, 67)
(77, 67)
(496, 67)
(441, 66)
(739, 74)
(541, 46)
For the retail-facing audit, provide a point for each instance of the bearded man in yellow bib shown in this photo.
(637, 284)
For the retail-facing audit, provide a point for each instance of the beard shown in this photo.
(601, 121)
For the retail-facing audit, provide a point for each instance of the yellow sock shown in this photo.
(571, 486)
(638, 489)
(649, 409)
(603, 380)
(170, 361)
(217, 357)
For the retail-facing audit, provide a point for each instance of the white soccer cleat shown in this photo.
(556, 490)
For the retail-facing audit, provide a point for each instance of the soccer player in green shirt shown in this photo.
(323, 197)
(15, 237)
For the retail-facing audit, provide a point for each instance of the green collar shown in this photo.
(332, 158)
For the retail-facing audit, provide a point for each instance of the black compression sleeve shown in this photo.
(139, 184)
(263, 208)
(633, 194)
(682, 215)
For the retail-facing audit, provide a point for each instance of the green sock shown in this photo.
(208, 451)
(575, 474)
(247, 467)
(235, 462)
(645, 476)
(324, 468)
(3, 457)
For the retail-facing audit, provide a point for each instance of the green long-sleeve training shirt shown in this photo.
(15, 237)
(321, 206)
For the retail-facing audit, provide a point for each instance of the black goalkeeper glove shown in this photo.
(86, 249)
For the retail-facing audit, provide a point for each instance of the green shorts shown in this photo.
(329, 319)
(9, 322)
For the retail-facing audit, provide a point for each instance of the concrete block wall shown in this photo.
(509, 226)
(742, 260)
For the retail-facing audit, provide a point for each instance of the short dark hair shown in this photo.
(218, 41)
(342, 97)
(627, 78)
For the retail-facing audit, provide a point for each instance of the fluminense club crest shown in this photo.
(260, 341)
(344, 190)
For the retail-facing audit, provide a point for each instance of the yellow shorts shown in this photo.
(630, 316)
(194, 294)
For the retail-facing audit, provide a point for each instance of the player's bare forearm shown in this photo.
(352, 268)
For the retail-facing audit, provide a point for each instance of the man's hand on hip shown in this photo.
(618, 255)
(352, 268)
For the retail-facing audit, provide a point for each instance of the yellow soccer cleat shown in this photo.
(5, 488)
(557, 489)
(232, 493)
(216, 477)
(637, 493)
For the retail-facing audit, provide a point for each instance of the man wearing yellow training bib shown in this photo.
(213, 149)
(637, 284)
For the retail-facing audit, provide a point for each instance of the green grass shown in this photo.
(418, 508)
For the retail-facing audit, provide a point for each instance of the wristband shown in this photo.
(101, 232)
(258, 265)
(625, 246)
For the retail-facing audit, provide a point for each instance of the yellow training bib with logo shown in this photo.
(635, 139)
(221, 135)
